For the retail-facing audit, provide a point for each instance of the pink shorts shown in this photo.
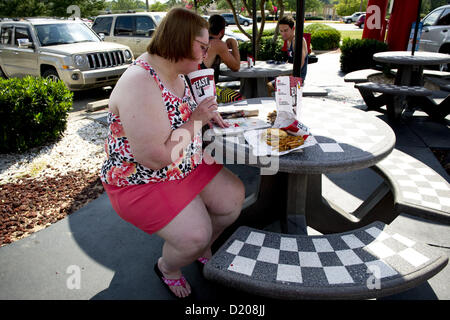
(151, 206)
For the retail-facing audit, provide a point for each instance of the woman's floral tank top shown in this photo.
(121, 169)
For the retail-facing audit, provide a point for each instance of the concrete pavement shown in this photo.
(93, 254)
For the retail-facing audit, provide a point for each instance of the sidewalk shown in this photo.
(93, 254)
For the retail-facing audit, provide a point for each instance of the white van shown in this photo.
(131, 29)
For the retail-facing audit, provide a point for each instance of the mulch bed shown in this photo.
(31, 204)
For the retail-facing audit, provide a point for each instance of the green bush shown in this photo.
(325, 39)
(268, 49)
(33, 112)
(314, 27)
(266, 33)
(357, 54)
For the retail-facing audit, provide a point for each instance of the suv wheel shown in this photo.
(246, 23)
(51, 74)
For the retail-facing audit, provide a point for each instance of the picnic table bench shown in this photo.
(397, 97)
(417, 189)
(361, 76)
(369, 262)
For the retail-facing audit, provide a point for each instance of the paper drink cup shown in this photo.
(202, 83)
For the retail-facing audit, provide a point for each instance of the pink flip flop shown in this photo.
(203, 260)
(171, 282)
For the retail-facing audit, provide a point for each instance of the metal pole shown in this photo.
(416, 29)
(298, 49)
(255, 30)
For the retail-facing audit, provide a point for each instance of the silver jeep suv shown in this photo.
(61, 49)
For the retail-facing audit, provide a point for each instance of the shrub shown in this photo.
(357, 54)
(314, 27)
(325, 39)
(268, 50)
(33, 112)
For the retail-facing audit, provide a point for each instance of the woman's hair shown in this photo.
(175, 34)
(287, 20)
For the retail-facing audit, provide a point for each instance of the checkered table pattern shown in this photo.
(346, 129)
(394, 89)
(415, 183)
(295, 264)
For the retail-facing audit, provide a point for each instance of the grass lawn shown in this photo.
(353, 34)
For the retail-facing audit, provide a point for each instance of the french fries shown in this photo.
(285, 143)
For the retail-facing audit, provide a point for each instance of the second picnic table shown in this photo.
(254, 80)
(408, 88)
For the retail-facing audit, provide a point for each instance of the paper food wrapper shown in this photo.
(202, 83)
(288, 99)
(259, 146)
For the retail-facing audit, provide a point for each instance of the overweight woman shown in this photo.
(155, 174)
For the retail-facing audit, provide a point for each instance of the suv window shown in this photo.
(445, 18)
(64, 33)
(124, 26)
(6, 35)
(21, 33)
(432, 18)
(143, 26)
(102, 25)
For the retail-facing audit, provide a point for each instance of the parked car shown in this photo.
(435, 36)
(360, 22)
(159, 16)
(238, 36)
(229, 19)
(131, 29)
(61, 49)
(353, 18)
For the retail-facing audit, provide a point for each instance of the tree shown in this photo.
(87, 7)
(158, 6)
(248, 5)
(429, 5)
(124, 5)
(22, 8)
(348, 7)
(58, 8)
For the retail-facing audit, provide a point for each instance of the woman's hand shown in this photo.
(205, 111)
(217, 119)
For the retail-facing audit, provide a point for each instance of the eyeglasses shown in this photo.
(203, 46)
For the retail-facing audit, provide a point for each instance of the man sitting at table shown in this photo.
(222, 51)
(286, 26)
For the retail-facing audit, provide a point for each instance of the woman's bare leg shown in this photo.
(186, 238)
(223, 198)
